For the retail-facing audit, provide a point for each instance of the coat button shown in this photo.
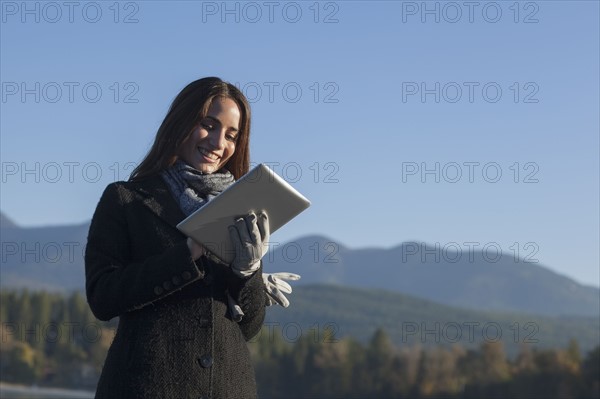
(158, 290)
(206, 361)
(167, 285)
(186, 275)
(176, 280)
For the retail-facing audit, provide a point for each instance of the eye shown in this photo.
(232, 137)
(207, 126)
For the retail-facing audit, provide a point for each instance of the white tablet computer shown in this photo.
(261, 189)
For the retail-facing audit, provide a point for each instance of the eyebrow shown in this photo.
(218, 121)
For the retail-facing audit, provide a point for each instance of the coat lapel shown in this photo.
(157, 197)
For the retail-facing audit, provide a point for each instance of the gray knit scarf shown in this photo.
(192, 188)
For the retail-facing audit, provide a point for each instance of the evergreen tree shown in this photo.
(591, 374)
(40, 306)
(380, 354)
(24, 313)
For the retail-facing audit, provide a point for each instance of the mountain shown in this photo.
(52, 258)
(471, 279)
(49, 258)
(6, 222)
(409, 320)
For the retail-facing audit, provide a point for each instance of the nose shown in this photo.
(217, 139)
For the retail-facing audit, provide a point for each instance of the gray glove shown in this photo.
(276, 286)
(250, 239)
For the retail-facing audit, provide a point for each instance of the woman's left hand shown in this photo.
(276, 286)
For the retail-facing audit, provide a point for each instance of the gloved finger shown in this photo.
(253, 230)
(280, 284)
(242, 228)
(236, 241)
(268, 301)
(263, 226)
(272, 280)
(286, 276)
(277, 296)
(239, 249)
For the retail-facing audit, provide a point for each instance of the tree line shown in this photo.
(345, 368)
(54, 340)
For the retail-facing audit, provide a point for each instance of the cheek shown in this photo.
(184, 148)
(200, 133)
(230, 150)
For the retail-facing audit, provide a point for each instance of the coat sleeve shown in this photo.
(114, 284)
(250, 294)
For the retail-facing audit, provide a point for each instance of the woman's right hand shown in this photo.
(250, 239)
(196, 250)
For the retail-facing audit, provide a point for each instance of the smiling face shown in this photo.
(212, 142)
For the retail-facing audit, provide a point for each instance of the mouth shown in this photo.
(210, 156)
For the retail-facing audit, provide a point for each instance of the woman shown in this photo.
(177, 336)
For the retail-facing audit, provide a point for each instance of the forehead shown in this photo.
(224, 108)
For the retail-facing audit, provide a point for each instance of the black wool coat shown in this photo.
(175, 337)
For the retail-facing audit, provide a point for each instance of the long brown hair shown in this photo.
(186, 111)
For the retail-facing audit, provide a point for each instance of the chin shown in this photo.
(204, 168)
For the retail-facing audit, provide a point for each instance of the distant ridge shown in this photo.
(6, 222)
(51, 258)
(508, 284)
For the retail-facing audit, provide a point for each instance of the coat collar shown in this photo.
(157, 197)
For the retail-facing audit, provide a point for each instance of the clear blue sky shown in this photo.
(360, 97)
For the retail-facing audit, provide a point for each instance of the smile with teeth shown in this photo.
(208, 154)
